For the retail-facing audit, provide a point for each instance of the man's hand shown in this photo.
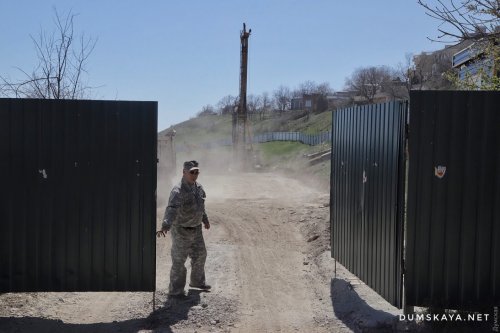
(161, 232)
(206, 224)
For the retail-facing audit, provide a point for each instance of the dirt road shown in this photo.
(268, 263)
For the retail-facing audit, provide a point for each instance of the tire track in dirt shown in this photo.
(269, 258)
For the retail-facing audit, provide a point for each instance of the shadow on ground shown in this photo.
(355, 313)
(171, 312)
(359, 316)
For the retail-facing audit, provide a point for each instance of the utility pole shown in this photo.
(240, 117)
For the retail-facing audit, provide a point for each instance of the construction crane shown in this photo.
(240, 126)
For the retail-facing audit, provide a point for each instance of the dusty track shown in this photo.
(266, 276)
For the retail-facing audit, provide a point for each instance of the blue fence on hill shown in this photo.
(308, 139)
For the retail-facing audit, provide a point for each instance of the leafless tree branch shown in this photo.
(61, 64)
(465, 19)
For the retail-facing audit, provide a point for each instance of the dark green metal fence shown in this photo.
(77, 195)
(453, 250)
(367, 193)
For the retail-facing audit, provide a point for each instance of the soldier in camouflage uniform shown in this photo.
(184, 215)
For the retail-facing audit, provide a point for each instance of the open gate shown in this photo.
(367, 194)
(77, 195)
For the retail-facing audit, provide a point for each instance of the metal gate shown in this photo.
(77, 195)
(453, 254)
(367, 194)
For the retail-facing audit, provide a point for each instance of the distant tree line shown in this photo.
(424, 71)
(278, 100)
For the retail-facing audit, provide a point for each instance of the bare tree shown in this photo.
(207, 110)
(254, 103)
(324, 89)
(465, 19)
(405, 73)
(282, 97)
(308, 87)
(405, 77)
(227, 104)
(368, 81)
(267, 104)
(62, 59)
(311, 87)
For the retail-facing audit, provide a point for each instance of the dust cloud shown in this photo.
(213, 163)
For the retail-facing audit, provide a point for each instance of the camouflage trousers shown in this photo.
(187, 242)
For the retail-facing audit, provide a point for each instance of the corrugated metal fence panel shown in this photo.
(453, 255)
(367, 194)
(78, 207)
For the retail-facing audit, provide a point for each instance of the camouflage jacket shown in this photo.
(186, 206)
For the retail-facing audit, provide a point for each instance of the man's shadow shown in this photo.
(172, 311)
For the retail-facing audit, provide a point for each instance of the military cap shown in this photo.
(191, 165)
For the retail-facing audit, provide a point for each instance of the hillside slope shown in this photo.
(286, 157)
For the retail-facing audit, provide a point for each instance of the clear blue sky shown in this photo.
(185, 54)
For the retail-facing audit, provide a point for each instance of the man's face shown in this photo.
(191, 176)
